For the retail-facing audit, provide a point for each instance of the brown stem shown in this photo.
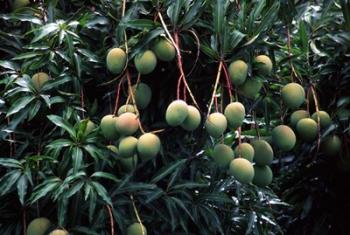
(110, 219)
(82, 103)
(228, 83)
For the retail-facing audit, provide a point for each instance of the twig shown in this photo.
(215, 87)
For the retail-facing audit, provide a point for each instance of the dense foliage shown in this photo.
(57, 162)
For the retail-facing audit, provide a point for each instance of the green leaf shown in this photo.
(22, 185)
(58, 121)
(8, 180)
(174, 11)
(102, 192)
(140, 24)
(45, 31)
(77, 158)
(167, 170)
(19, 104)
(45, 188)
(9, 65)
(105, 175)
(11, 163)
(60, 143)
(303, 37)
(27, 55)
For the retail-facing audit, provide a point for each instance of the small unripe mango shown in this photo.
(235, 113)
(108, 127)
(242, 170)
(126, 108)
(251, 88)
(38, 226)
(193, 119)
(176, 113)
(283, 137)
(325, 119)
(222, 155)
(127, 147)
(307, 129)
(39, 79)
(148, 146)
(293, 95)
(216, 124)
(263, 153)
(127, 124)
(143, 95)
(263, 65)
(116, 60)
(245, 150)
(238, 71)
(297, 116)
(164, 50)
(59, 232)
(332, 145)
(262, 176)
(145, 62)
(136, 229)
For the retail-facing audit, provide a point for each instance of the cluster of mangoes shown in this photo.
(145, 62)
(306, 125)
(41, 226)
(249, 86)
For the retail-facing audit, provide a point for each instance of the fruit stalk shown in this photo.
(117, 97)
(131, 93)
(228, 84)
(312, 89)
(179, 59)
(137, 213)
(215, 87)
